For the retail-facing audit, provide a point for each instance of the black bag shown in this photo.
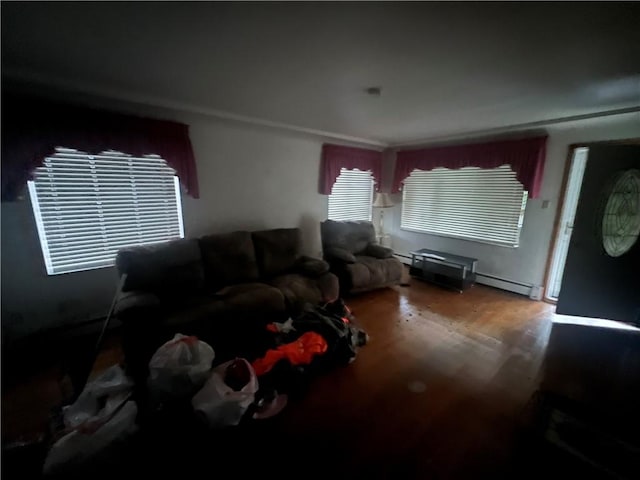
(341, 335)
(336, 325)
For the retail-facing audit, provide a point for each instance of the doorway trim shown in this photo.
(556, 223)
(562, 198)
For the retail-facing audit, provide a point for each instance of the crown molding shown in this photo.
(74, 86)
(513, 128)
(49, 82)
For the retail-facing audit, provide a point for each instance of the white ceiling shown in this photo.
(445, 69)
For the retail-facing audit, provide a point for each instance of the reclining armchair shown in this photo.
(355, 257)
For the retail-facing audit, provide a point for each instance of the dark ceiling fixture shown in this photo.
(374, 91)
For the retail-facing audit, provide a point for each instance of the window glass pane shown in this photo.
(485, 205)
(87, 207)
(351, 196)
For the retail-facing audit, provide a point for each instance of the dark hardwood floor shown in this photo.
(475, 355)
(439, 392)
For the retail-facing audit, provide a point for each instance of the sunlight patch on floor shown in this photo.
(592, 322)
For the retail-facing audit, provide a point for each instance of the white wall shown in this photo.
(250, 178)
(525, 264)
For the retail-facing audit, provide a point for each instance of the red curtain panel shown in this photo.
(525, 156)
(337, 157)
(33, 127)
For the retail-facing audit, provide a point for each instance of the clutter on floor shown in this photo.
(180, 367)
(96, 425)
(227, 394)
(183, 378)
(298, 352)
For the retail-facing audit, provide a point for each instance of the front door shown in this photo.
(602, 273)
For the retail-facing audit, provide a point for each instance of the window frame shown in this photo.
(93, 178)
(468, 238)
(371, 196)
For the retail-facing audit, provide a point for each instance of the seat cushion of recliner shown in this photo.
(193, 309)
(370, 271)
(298, 289)
(247, 297)
(206, 316)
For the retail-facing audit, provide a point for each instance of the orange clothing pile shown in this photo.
(300, 352)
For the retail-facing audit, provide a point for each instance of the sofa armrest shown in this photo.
(311, 267)
(329, 286)
(129, 303)
(378, 251)
(340, 254)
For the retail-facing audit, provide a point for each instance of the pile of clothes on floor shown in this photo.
(103, 418)
(319, 339)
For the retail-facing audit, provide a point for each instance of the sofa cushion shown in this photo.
(378, 251)
(254, 298)
(229, 258)
(351, 236)
(276, 250)
(131, 301)
(337, 253)
(203, 314)
(174, 266)
(298, 289)
(370, 272)
(193, 313)
(312, 267)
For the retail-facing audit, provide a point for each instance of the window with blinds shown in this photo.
(484, 205)
(87, 207)
(351, 196)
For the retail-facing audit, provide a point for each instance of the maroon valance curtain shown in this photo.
(525, 156)
(337, 157)
(32, 128)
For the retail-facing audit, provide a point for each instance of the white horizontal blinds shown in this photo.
(351, 196)
(485, 205)
(87, 207)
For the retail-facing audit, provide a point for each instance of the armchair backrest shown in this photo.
(351, 236)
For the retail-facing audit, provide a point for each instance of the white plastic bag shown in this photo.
(180, 366)
(101, 416)
(78, 448)
(218, 403)
(99, 399)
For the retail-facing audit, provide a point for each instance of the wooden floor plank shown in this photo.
(437, 393)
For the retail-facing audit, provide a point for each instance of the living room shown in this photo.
(263, 87)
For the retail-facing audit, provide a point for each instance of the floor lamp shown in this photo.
(382, 201)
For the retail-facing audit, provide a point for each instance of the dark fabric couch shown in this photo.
(356, 258)
(222, 288)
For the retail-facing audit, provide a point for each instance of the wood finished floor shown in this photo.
(476, 356)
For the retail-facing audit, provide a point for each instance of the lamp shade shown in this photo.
(382, 200)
